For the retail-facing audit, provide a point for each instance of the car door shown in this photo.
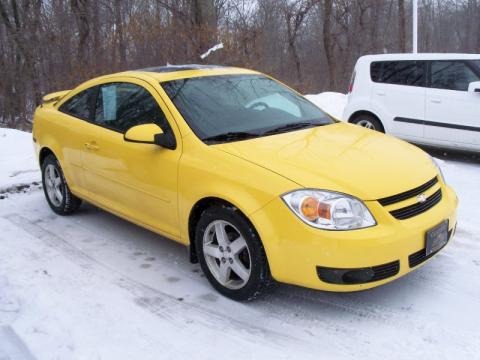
(73, 119)
(453, 113)
(135, 180)
(399, 92)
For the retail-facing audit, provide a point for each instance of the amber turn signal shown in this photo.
(309, 208)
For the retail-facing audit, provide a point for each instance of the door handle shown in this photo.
(381, 93)
(91, 146)
(436, 101)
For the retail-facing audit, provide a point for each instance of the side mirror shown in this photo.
(150, 134)
(474, 87)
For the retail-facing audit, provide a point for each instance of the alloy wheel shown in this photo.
(53, 184)
(366, 124)
(226, 254)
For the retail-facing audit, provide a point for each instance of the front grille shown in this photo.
(358, 275)
(416, 209)
(421, 255)
(408, 194)
(386, 270)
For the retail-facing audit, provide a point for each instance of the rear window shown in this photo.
(410, 73)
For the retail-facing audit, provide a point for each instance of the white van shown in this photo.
(430, 99)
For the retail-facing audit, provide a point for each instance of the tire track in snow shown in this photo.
(157, 302)
(12, 347)
(315, 308)
(339, 303)
(288, 293)
(273, 310)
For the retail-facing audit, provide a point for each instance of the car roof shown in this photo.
(183, 67)
(420, 56)
(161, 74)
(173, 72)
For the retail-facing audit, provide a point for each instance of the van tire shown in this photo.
(368, 121)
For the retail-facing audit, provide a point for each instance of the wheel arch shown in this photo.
(194, 216)
(44, 152)
(366, 112)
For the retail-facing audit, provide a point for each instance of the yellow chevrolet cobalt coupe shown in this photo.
(258, 182)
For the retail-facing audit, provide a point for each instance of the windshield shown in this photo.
(235, 107)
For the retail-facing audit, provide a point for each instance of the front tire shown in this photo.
(231, 254)
(55, 187)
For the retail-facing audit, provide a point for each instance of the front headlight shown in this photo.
(329, 210)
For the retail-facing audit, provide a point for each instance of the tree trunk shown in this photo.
(401, 26)
(296, 60)
(122, 49)
(96, 36)
(79, 9)
(328, 42)
(204, 20)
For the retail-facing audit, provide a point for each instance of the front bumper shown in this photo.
(296, 251)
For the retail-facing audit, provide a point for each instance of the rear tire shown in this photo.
(368, 121)
(231, 254)
(55, 187)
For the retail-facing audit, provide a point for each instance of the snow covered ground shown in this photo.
(17, 161)
(332, 102)
(92, 286)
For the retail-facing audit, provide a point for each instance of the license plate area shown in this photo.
(436, 238)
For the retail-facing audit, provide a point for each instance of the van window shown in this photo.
(410, 73)
(451, 75)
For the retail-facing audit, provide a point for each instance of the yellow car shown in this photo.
(258, 182)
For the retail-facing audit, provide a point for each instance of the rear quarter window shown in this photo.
(411, 73)
(80, 105)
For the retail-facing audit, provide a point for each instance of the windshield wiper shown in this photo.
(291, 126)
(230, 136)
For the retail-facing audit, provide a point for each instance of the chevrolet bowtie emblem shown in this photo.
(421, 198)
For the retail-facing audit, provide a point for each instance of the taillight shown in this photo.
(352, 81)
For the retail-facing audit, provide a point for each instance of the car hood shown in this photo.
(339, 157)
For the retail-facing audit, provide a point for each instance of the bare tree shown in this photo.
(80, 12)
(295, 13)
(205, 23)
(120, 37)
(401, 26)
(56, 44)
(328, 41)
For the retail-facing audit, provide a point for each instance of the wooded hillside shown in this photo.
(50, 45)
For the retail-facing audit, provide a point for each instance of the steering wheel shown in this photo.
(257, 104)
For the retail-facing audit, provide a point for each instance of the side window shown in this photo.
(410, 73)
(80, 105)
(451, 75)
(477, 64)
(123, 105)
